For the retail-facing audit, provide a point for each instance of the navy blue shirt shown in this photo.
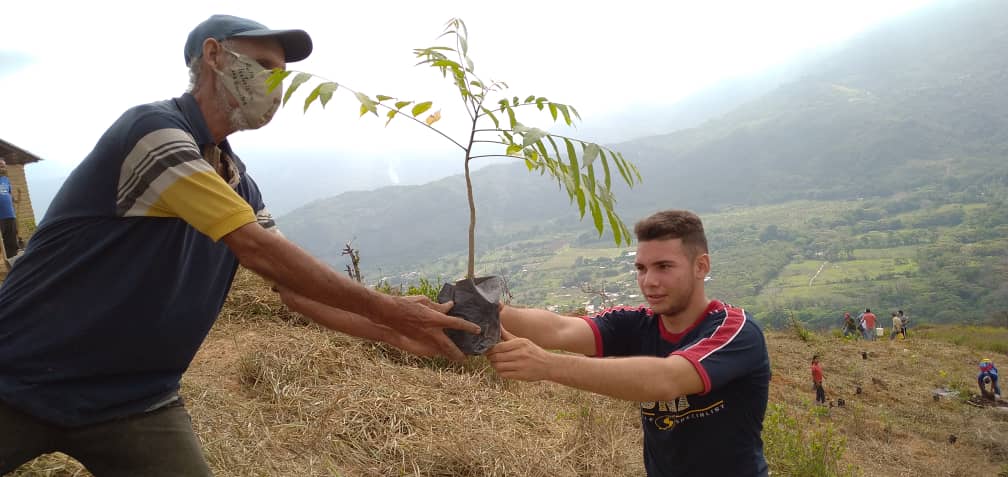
(124, 277)
(716, 432)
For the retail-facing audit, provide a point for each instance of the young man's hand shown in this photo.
(519, 358)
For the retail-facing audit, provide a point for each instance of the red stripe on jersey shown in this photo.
(598, 336)
(724, 334)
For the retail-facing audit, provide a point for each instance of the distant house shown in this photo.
(17, 159)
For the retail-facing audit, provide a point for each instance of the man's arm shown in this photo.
(280, 261)
(634, 378)
(359, 326)
(550, 330)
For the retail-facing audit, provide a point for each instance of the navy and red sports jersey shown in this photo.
(716, 432)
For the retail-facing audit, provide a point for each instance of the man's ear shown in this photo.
(702, 266)
(212, 50)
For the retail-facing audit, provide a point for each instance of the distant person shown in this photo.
(897, 326)
(8, 213)
(849, 327)
(987, 379)
(817, 379)
(869, 323)
(131, 265)
(905, 321)
(698, 367)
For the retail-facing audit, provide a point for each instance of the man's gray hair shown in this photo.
(196, 68)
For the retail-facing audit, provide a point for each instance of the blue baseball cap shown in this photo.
(297, 44)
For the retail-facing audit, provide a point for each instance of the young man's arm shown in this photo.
(550, 330)
(280, 261)
(633, 378)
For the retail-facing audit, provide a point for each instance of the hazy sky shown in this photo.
(68, 69)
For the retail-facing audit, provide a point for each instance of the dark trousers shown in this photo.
(8, 228)
(820, 393)
(157, 443)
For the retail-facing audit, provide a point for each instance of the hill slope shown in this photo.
(271, 396)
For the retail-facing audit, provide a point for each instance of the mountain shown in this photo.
(913, 103)
(877, 179)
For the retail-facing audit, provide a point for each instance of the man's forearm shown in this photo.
(334, 318)
(279, 260)
(639, 379)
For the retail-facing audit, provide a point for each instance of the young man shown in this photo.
(817, 377)
(698, 367)
(897, 327)
(130, 266)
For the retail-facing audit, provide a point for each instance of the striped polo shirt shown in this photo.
(125, 274)
(716, 432)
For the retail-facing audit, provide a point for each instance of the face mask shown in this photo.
(245, 79)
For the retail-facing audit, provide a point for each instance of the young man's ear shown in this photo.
(702, 266)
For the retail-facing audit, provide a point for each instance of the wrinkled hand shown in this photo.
(420, 324)
(519, 358)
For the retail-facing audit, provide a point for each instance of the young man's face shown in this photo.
(668, 275)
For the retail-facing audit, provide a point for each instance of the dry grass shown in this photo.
(272, 395)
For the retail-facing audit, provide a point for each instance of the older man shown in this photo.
(130, 266)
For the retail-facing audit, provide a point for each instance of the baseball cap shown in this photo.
(297, 44)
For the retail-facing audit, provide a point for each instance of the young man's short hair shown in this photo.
(674, 224)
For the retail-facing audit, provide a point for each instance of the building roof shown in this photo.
(15, 155)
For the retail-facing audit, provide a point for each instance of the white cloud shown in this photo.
(92, 60)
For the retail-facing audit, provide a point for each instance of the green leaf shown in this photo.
(575, 112)
(514, 101)
(539, 103)
(591, 151)
(617, 227)
(382, 97)
(530, 165)
(400, 104)
(391, 114)
(597, 216)
(575, 173)
(276, 78)
(469, 65)
(553, 110)
(311, 97)
(465, 45)
(605, 169)
(530, 99)
(566, 114)
(493, 117)
(326, 91)
(297, 81)
(513, 148)
(532, 136)
(367, 104)
(556, 150)
(419, 108)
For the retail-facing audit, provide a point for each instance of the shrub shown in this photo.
(794, 450)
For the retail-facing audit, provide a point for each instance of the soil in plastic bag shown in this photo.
(476, 301)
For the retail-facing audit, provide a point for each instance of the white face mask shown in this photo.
(245, 79)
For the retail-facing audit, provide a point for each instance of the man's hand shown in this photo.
(519, 358)
(421, 324)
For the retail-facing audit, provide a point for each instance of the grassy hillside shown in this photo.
(270, 395)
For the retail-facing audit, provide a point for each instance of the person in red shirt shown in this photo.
(869, 320)
(820, 393)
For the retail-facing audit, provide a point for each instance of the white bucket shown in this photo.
(879, 331)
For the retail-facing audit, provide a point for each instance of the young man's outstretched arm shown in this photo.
(521, 356)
